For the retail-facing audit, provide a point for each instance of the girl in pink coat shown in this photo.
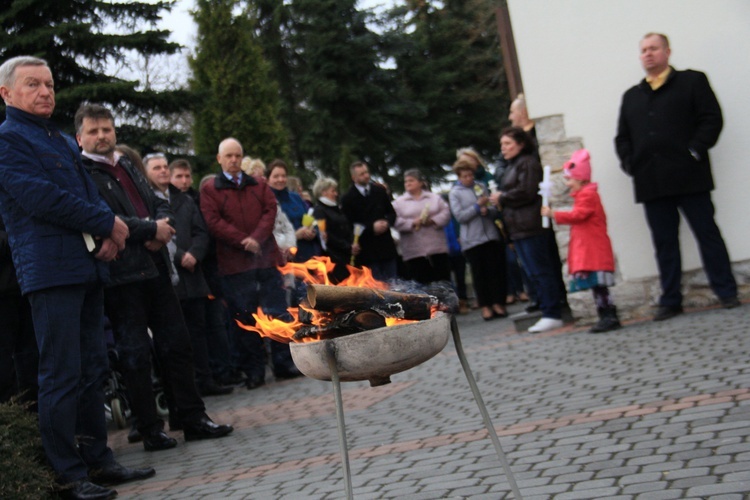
(591, 263)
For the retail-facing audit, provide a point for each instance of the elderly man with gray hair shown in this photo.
(61, 235)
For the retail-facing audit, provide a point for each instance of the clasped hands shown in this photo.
(115, 242)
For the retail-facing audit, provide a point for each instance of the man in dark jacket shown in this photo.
(186, 250)
(54, 218)
(140, 293)
(369, 204)
(667, 124)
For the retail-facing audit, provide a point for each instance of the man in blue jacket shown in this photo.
(61, 235)
(667, 124)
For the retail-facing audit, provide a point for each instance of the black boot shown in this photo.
(608, 320)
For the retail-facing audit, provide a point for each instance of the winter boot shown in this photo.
(608, 320)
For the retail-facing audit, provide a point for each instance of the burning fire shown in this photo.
(314, 271)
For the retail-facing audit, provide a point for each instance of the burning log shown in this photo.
(342, 299)
(344, 324)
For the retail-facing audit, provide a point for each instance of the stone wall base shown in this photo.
(635, 299)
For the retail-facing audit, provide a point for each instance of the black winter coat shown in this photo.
(339, 235)
(663, 136)
(366, 210)
(135, 263)
(520, 200)
(192, 236)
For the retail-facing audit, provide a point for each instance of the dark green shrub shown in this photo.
(25, 474)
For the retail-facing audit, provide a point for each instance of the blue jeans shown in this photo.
(539, 264)
(245, 293)
(73, 366)
(664, 220)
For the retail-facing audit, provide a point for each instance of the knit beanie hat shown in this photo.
(579, 166)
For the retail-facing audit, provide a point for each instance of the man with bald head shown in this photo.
(240, 212)
(667, 124)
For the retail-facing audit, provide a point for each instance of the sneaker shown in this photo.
(546, 324)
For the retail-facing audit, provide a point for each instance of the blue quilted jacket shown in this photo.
(48, 200)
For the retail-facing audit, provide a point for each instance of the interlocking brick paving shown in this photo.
(655, 410)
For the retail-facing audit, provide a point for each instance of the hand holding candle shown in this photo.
(307, 220)
(423, 217)
(321, 223)
(358, 229)
(545, 189)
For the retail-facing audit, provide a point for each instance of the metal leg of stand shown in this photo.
(331, 358)
(483, 410)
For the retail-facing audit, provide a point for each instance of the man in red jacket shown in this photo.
(240, 212)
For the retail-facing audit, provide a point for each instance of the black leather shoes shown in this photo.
(729, 302)
(134, 436)
(205, 428)
(83, 489)
(211, 388)
(667, 312)
(254, 382)
(115, 473)
(287, 372)
(158, 440)
(232, 378)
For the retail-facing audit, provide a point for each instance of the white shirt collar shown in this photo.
(102, 159)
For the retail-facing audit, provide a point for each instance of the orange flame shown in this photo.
(313, 271)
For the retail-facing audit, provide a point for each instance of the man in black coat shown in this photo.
(369, 204)
(139, 295)
(188, 248)
(667, 124)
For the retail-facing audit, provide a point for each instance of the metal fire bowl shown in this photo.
(374, 355)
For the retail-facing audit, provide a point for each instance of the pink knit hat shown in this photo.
(579, 166)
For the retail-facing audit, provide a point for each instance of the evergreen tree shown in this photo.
(340, 81)
(79, 43)
(275, 27)
(448, 62)
(235, 96)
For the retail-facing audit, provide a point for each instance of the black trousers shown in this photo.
(132, 309)
(487, 262)
(663, 216)
(19, 356)
(428, 269)
(194, 313)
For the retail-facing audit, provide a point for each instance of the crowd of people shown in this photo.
(95, 231)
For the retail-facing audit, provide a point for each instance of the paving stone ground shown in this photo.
(653, 411)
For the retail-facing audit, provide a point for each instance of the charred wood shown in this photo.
(342, 299)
